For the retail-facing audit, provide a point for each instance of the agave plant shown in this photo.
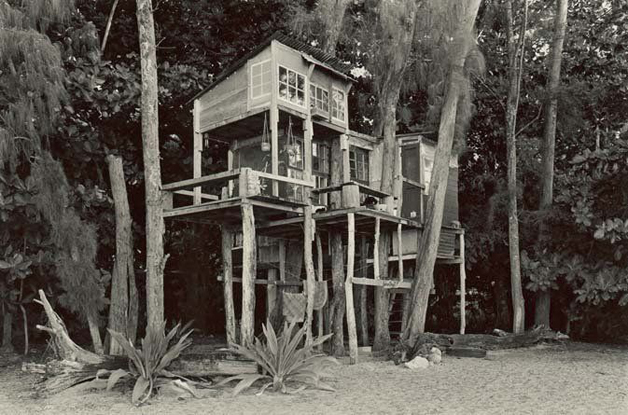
(283, 362)
(148, 364)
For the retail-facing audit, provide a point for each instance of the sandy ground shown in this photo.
(573, 378)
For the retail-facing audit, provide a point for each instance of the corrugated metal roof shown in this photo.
(325, 59)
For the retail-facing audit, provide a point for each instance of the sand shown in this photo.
(572, 378)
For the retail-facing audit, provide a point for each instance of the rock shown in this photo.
(417, 363)
(500, 333)
(435, 356)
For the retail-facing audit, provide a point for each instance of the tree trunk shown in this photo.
(543, 298)
(249, 273)
(94, 331)
(333, 14)
(308, 232)
(399, 32)
(155, 260)
(7, 331)
(428, 242)
(515, 57)
(361, 295)
(123, 303)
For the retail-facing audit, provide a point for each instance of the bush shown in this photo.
(283, 362)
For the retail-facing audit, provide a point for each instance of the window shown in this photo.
(428, 165)
(338, 104)
(319, 98)
(291, 86)
(359, 164)
(321, 159)
(260, 79)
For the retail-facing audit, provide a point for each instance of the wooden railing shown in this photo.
(249, 183)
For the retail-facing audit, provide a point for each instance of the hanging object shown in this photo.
(265, 136)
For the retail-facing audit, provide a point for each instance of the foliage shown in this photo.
(283, 362)
(148, 365)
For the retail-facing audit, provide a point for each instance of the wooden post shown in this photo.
(319, 278)
(197, 157)
(227, 274)
(271, 298)
(400, 251)
(309, 270)
(282, 278)
(364, 333)
(249, 271)
(463, 287)
(351, 326)
(376, 249)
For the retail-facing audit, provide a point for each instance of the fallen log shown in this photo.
(425, 341)
(77, 365)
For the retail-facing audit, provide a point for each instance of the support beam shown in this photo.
(309, 270)
(400, 249)
(362, 291)
(351, 325)
(197, 157)
(319, 277)
(463, 287)
(272, 314)
(227, 272)
(249, 271)
(376, 249)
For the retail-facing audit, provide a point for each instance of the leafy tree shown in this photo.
(34, 94)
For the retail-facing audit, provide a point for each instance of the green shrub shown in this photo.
(283, 362)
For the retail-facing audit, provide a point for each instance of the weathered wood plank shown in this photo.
(227, 272)
(249, 271)
(197, 181)
(351, 324)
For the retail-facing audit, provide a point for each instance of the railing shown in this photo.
(351, 193)
(249, 183)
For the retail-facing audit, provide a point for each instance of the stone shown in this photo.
(417, 363)
(435, 356)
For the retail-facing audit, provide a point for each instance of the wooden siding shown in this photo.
(226, 100)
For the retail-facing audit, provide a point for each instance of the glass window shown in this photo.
(359, 164)
(319, 98)
(260, 79)
(291, 86)
(321, 159)
(338, 104)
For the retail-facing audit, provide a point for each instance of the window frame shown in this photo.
(317, 146)
(288, 86)
(314, 100)
(333, 103)
(366, 168)
(261, 77)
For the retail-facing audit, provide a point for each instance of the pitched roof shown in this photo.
(321, 58)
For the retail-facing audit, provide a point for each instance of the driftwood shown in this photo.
(455, 342)
(77, 365)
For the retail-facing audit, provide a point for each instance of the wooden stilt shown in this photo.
(309, 270)
(376, 249)
(406, 312)
(197, 157)
(282, 278)
(227, 273)
(351, 326)
(249, 271)
(319, 277)
(271, 298)
(400, 253)
(363, 321)
(463, 287)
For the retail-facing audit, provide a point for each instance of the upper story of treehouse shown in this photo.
(282, 73)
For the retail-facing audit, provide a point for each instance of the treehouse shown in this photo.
(296, 173)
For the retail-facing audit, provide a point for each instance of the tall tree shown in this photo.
(123, 306)
(453, 24)
(155, 259)
(543, 297)
(395, 26)
(33, 95)
(515, 69)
